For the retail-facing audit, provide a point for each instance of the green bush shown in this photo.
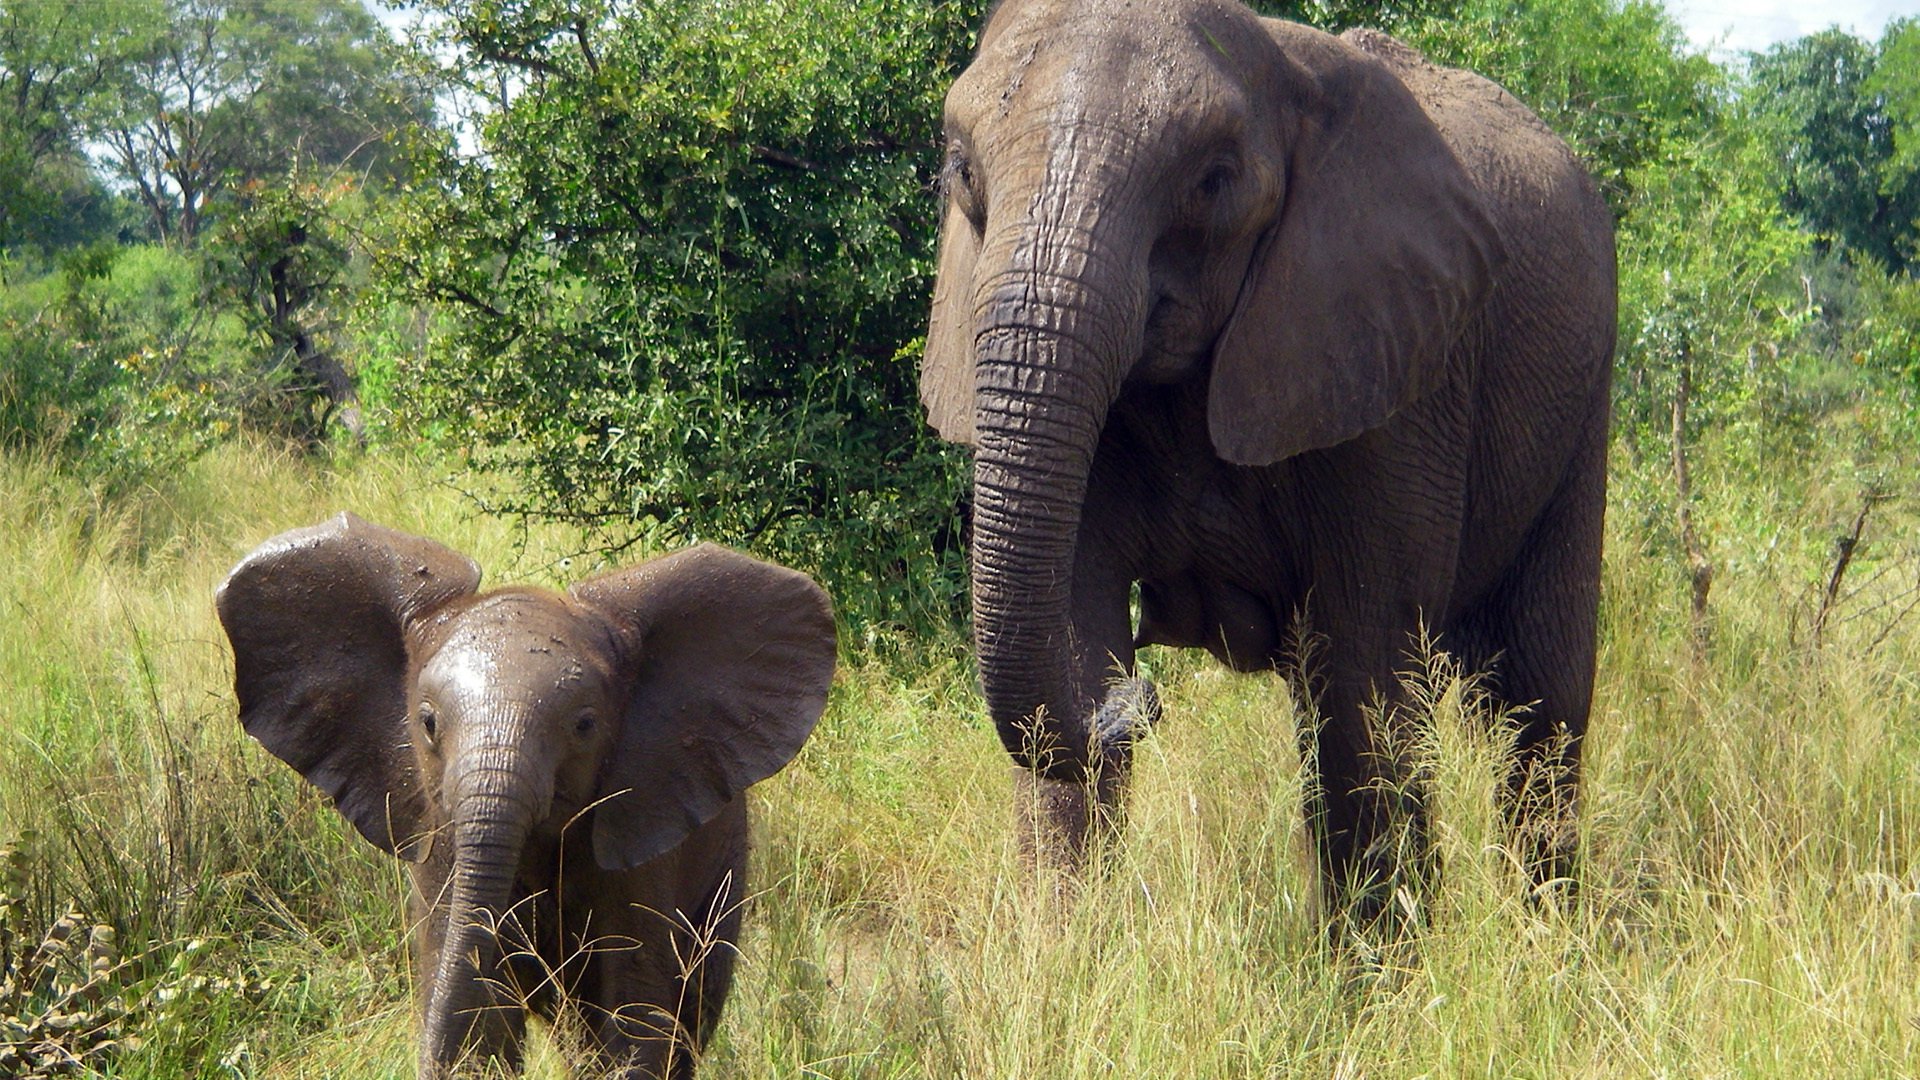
(109, 363)
(689, 269)
(277, 261)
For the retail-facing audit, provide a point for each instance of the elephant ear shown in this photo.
(946, 368)
(318, 618)
(1380, 254)
(727, 661)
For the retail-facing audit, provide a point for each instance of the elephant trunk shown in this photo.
(1050, 358)
(492, 818)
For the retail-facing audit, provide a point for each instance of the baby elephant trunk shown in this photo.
(473, 1011)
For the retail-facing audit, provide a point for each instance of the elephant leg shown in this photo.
(636, 1021)
(1062, 823)
(1379, 571)
(1367, 813)
(703, 990)
(658, 1005)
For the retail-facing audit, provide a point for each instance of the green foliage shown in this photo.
(690, 266)
(53, 378)
(113, 365)
(1896, 83)
(277, 260)
(59, 63)
(1702, 260)
(322, 90)
(1833, 108)
(1882, 332)
(220, 92)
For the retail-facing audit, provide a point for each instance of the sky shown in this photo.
(1732, 26)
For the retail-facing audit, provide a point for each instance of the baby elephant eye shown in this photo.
(583, 723)
(428, 723)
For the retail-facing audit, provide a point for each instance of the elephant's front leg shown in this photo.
(1368, 811)
(1380, 560)
(1062, 822)
(654, 988)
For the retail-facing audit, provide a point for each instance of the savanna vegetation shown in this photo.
(567, 281)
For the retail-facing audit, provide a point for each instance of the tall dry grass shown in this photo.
(1750, 900)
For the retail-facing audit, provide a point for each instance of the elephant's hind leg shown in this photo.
(1537, 631)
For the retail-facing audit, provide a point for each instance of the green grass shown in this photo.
(1750, 901)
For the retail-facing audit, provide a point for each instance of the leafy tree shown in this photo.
(1615, 79)
(1895, 83)
(1830, 122)
(279, 261)
(1703, 261)
(1394, 16)
(57, 63)
(330, 90)
(233, 90)
(689, 254)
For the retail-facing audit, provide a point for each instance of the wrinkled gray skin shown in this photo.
(1281, 326)
(564, 770)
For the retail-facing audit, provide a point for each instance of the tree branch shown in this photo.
(524, 63)
(586, 48)
(779, 157)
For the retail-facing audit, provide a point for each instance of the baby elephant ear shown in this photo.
(318, 619)
(727, 661)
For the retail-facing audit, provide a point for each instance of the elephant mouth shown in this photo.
(1174, 344)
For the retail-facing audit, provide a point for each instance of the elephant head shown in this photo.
(634, 708)
(1160, 194)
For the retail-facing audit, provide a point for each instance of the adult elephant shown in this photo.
(1280, 326)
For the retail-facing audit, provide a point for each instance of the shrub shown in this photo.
(689, 266)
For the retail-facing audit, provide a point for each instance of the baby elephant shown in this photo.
(562, 773)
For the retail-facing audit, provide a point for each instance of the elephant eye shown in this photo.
(584, 723)
(428, 722)
(957, 183)
(956, 171)
(1214, 183)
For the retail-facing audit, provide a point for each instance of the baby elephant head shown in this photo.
(633, 709)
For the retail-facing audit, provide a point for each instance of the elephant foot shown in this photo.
(1062, 822)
